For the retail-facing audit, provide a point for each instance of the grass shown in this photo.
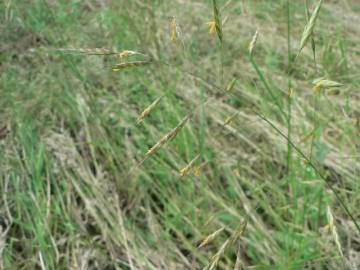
(73, 192)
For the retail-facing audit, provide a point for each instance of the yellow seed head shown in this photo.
(230, 119)
(148, 110)
(188, 168)
(208, 239)
(127, 53)
(168, 137)
(216, 258)
(198, 169)
(174, 30)
(231, 85)
(212, 27)
(217, 20)
(322, 83)
(317, 88)
(291, 92)
(239, 231)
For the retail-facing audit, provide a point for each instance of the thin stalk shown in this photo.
(289, 96)
(222, 64)
(202, 125)
(313, 136)
(266, 85)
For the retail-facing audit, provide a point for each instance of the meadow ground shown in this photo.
(73, 192)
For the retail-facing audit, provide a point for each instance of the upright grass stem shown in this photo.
(219, 32)
(266, 85)
(289, 96)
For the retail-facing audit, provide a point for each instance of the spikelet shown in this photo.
(253, 43)
(188, 168)
(322, 83)
(309, 27)
(217, 21)
(231, 85)
(174, 30)
(212, 27)
(216, 258)
(230, 241)
(290, 92)
(313, 45)
(94, 51)
(168, 137)
(238, 264)
(238, 232)
(127, 53)
(332, 229)
(230, 119)
(208, 239)
(148, 110)
(124, 65)
(197, 169)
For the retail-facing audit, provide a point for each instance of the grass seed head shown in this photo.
(212, 27)
(168, 137)
(322, 83)
(230, 119)
(253, 42)
(198, 169)
(208, 239)
(217, 21)
(148, 110)
(332, 228)
(216, 258)
(309, 27)
(127, 53)
(291, 92)
(174, 29)
(239, 231)
(188, 168)
(231, 85)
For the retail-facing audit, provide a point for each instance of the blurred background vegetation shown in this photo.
(73, 194)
